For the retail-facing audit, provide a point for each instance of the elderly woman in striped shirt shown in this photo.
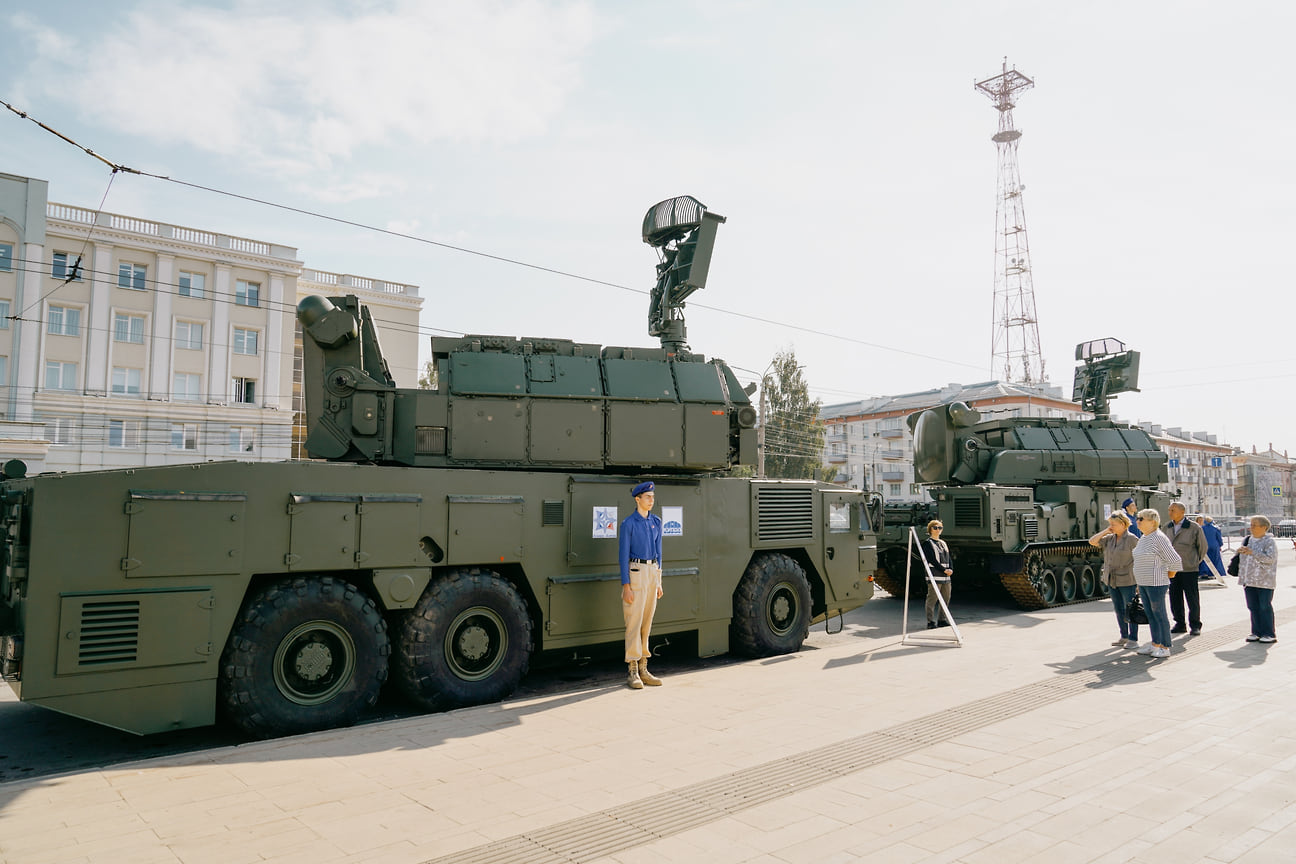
(1154, 560)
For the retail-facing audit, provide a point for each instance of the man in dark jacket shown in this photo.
(1190, 542)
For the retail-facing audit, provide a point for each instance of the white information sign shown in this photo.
(605, 522)
(672, 521)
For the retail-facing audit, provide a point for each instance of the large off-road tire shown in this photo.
(305, 653)
(771, 607)
(466, 642)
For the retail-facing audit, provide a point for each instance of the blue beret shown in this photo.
(1126, 503)
(646, 486)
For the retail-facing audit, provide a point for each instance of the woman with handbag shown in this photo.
(1258, 576)
(1117, 543)
(1154, 560)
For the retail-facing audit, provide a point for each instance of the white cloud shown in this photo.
(297, 93)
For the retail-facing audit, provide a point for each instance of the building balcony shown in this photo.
(893, 454)
(892, 433)
(893, 476)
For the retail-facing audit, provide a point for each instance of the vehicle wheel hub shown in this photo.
(313, 661)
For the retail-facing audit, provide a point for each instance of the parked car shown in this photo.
(1285, 528)
(1233, 527)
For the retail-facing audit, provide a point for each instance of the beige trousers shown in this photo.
(644, 581)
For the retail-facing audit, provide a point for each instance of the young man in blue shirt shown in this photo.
(640, 553)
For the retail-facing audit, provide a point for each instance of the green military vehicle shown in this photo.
(438, 539)
(1019, 497)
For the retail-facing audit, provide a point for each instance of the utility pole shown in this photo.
(1015, 344)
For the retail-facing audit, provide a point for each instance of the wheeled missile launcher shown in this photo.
(437, 538)
(1019, 497)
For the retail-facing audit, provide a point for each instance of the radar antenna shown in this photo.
(683, 233)
(1105, 369)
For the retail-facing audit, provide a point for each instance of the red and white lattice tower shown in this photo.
(1015, 345)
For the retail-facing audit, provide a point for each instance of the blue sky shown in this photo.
(843, 141)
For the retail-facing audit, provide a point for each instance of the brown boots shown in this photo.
(645, 676)
(639, 676)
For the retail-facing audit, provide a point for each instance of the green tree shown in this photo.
(794, 435)
(428, 380)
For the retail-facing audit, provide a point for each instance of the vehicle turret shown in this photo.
(537, 403)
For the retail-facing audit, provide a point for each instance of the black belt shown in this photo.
(643, 560)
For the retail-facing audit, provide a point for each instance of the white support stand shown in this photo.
(1219, 577)
(925, 638)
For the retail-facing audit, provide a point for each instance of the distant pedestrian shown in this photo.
(1190, 543)
(640, 552)
(1131, 510)
(1214, 542)
(937, 554)
(1154, 560)
(1117, 543)
(1258, 576)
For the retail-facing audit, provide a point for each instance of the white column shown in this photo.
(28, 332)
(218, 385)
(159, 344)
(275, 388)
(96, 373)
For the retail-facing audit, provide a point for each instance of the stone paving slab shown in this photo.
(1099, 756)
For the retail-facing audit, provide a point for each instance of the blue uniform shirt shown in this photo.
(640, 537)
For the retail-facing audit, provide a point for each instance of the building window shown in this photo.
(64, 321)
(66, 267)
(895, 488)
(242, 439)
(4, 371)
(60, 376)
(131, 276)
(187, 387)
(245, 391)
(189, 334)
(123, 433)
(4, 314)
(125, 381)
(247, 293)
(192, 285)
(128, 328)
(245, 341)
(184, 436)
(6, 257)
(59, 430)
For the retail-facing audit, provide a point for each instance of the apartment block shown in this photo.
(127, 342)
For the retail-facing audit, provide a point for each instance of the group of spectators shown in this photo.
(1161, 565)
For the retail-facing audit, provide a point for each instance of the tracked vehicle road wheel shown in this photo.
(1047, 586)
(1088, 581)
(771, 607)
(305, 654)
(466, 642)
(1068, 584)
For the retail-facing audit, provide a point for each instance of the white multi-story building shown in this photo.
(127, 342)
(1202, 472)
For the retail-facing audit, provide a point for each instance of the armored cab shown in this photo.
(1020, 497)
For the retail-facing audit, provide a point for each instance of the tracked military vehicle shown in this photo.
(1020, 497)
(438, 539)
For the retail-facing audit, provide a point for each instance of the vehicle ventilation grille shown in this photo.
(551, 513)
(967, 512)
(784, 513)
(1029, 527)
(431, 441)
(109, 633)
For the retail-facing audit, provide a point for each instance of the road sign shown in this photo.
(1174, 463)
(1217, 462)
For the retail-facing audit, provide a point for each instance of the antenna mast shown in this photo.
(1015, 345)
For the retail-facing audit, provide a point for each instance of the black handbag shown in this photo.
(1134, 611)
(1236, 561)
